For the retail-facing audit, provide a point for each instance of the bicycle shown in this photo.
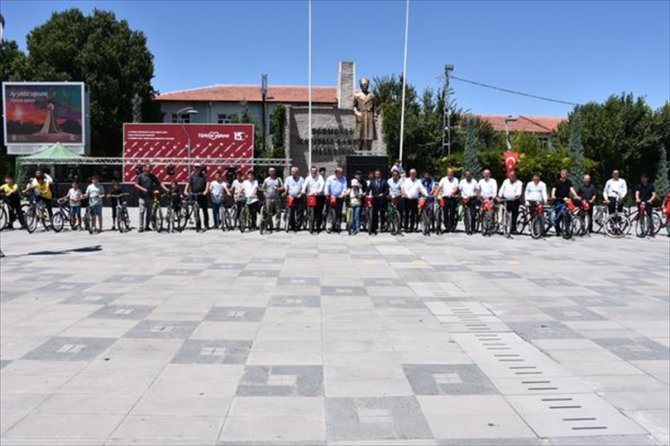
(62, 215)
(656, 218)
(643, 223)
(333, 221)
(467, 217)
(122, 218)
(190, 209)
(4, 212)
(393, 222)
(561, 219)
(311, 213)
(487, 217)
(425, 215)
(292, 214)
(86, 220)
(617, 225)
(366, 214)
(172, 214)
(157, 212)
(506, 220)
(35, 213)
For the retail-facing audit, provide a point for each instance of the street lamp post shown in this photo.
(509, 118)
(180, 120)
(446, 132)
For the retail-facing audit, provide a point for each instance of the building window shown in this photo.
(224, 119)
(186, 119)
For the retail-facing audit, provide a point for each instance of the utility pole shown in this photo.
(446, 121)
(264, 94)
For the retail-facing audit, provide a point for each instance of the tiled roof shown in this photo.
(523, 123)
(252, 93)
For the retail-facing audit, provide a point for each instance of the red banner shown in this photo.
(511, 159)
(220, 141)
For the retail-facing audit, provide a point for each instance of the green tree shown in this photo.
(106, 54)
(617, 133)
(472, 148)
(662, 181)
(137, 108)
(277, 122)
(576, 149)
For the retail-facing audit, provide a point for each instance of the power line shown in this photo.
(542, 98)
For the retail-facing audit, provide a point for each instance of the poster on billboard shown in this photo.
(38, 113)
(219, 146)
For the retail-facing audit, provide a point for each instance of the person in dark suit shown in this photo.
(379, 189)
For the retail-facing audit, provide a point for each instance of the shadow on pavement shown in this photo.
(94, 248)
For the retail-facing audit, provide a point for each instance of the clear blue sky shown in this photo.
(570, 50)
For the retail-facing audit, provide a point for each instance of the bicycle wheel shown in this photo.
(157, 219)
(330, 221)
(467, 220)
(615, 227)
(350, 221)
(58, 221)
(196, 216)
(657, 221)
(425, 222)
(578, 227)
(87, 221)
(566, 225)
(487, 223)
(31, 220)
(310, 220)
(438, 221)
(4, 218)
(395, 222)
(244, 219)
(537, 227)
(642, 226)
(507, 224)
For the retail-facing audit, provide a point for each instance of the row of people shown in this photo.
(406, 190)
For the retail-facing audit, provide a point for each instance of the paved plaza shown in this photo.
(223, 338)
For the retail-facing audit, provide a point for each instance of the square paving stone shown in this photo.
(499, 274)
(375, 419)
(343, 291)
(129, 278)
(572, 314)
(613, 290)
(70, 349)
(228, 266)
(213, 352)
(633, 349)
(162, 329)
(596, 301)
(553, 282)
(396, 302)
(123, 312)
(259, 273)
(235, 314)
(281, 380)
(185, 272)
(298, 281)
(447, 379)
(91, 298)
(4, 363)
(544, 330)
(295, 301)
(384, 282)
(64, 287)
(198, 259)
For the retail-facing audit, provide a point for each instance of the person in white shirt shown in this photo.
(536, 191)
(236, 191)
(294, 189)
(217, 190)
(511, 191)
(447, 189)
(615, 192)
(395, 185)
(336, 188)
(316, 185)
(470, 192)
(488, 187)
(74, 196)
(250, 193)
(397, 167)
(272, 187)
(411, 190)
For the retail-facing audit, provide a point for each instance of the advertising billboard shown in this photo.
(220, 142)
(38, 113)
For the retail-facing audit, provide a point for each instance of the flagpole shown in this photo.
(404, 82)
(309, 86)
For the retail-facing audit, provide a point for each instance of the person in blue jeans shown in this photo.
(355, 202)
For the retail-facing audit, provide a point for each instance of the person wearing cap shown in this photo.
(355, 194)
(411, 190)
(199, 186)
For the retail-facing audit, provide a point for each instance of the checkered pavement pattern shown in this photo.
(223, 338)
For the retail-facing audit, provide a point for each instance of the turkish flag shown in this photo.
(511, 159)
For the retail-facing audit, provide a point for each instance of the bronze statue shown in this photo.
(364, 109)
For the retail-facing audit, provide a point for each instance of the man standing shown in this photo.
(488, 187)
(411, 189)
(272, 187)
(378, 190)
(536, 192)
(250, 190)
(397, 167)
(294, 188)
(395, 192)
(315, 185)
(561, 191)
(198, 185)
(447, 188)
(511, 191)
(336, 186)
(615, 192)
(469, 190)
(645, 192)
(147, 183)
(586, 192)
